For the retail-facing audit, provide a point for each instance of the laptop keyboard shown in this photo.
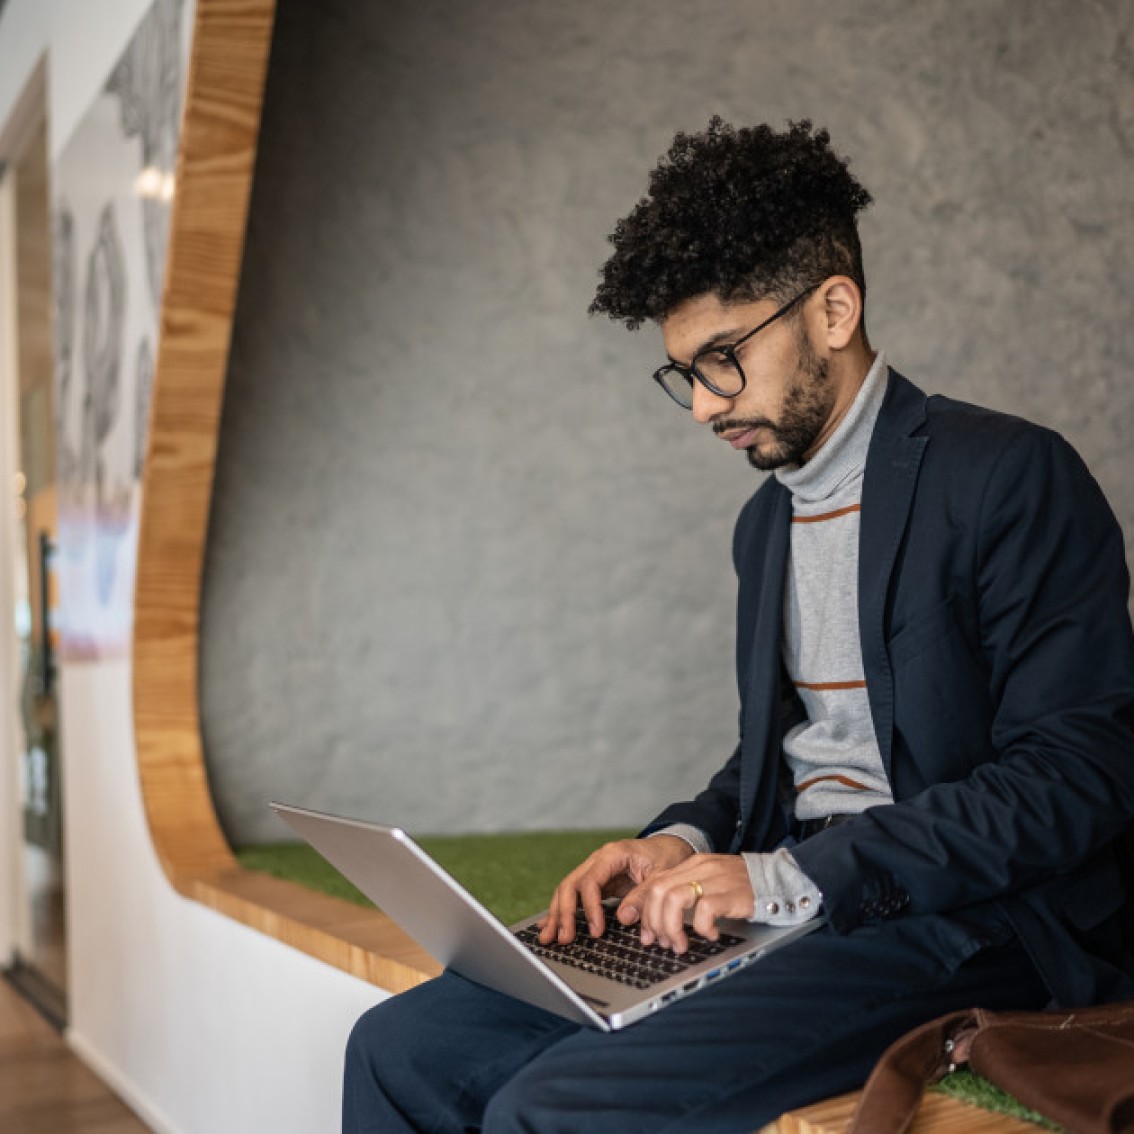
(619, 955)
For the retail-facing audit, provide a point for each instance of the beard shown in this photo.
(808, 404)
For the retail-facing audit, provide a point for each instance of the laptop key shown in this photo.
(620, 955)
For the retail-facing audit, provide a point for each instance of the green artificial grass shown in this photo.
(970, 1088)
(514, 876)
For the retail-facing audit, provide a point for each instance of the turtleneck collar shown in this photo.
(843, 455)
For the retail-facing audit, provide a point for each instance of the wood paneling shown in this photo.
(214, 177)
(33, 265)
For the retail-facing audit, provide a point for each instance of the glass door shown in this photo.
(40, 963)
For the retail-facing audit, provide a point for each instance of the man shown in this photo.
(936, 676)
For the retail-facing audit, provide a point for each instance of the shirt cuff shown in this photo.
(694, 836)
(784, 894)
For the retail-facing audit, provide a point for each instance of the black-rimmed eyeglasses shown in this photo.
(716, 367)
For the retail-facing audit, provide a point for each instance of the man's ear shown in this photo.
(842, 310)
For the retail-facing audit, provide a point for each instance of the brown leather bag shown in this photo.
(1074, 1067)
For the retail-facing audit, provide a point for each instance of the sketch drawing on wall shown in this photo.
(113, 187)
(147, 83)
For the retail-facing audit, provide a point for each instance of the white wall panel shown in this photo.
(207, 1027)
(24, 31)
(86, 39)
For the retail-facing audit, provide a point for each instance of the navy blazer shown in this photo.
(999, 665)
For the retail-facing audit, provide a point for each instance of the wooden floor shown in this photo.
(44, 1089)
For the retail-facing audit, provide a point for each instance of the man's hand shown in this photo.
(611, 871)
(717, 885)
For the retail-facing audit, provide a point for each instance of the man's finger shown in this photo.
(662, 912)
(563, 899)
(567, 902)
(705, 919)
(635, 905)
(680, 897)
(590, 895)
(591, 877)
(630, 908)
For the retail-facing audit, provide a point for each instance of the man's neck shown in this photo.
(835, 465)
(847, 371)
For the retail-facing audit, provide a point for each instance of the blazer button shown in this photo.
(773, 908)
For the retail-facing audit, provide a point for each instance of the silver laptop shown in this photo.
(607, 982)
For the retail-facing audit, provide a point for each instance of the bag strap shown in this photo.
(892, 1095)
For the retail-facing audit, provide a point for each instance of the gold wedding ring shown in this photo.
(697, 891)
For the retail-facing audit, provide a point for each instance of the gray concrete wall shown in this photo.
(468, 568)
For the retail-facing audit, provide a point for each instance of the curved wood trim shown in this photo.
(220, 130)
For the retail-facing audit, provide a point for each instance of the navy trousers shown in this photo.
(805, 1023)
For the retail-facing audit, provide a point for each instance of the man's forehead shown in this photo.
(706, 320)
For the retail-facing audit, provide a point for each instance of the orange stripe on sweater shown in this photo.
(846, 781)
(827, 515)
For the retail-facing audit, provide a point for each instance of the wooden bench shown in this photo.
(939, 1114)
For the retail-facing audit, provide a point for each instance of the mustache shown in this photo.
(719, 427)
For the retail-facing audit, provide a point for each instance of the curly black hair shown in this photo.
(744, 214)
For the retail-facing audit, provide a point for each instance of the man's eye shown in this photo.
(714, 362)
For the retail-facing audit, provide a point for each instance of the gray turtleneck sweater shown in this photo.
(833, 758)
(833, 755)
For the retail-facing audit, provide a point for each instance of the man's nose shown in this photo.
(707, 405)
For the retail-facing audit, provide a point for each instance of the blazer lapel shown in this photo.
(758, 772)
(892, 466)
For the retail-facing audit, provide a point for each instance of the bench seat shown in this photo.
(939, 1114)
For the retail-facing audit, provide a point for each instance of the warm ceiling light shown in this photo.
(153, 182)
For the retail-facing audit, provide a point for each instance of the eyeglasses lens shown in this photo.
(719, 371)
(676, 385)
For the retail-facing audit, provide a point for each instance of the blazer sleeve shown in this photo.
(1051, 588)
